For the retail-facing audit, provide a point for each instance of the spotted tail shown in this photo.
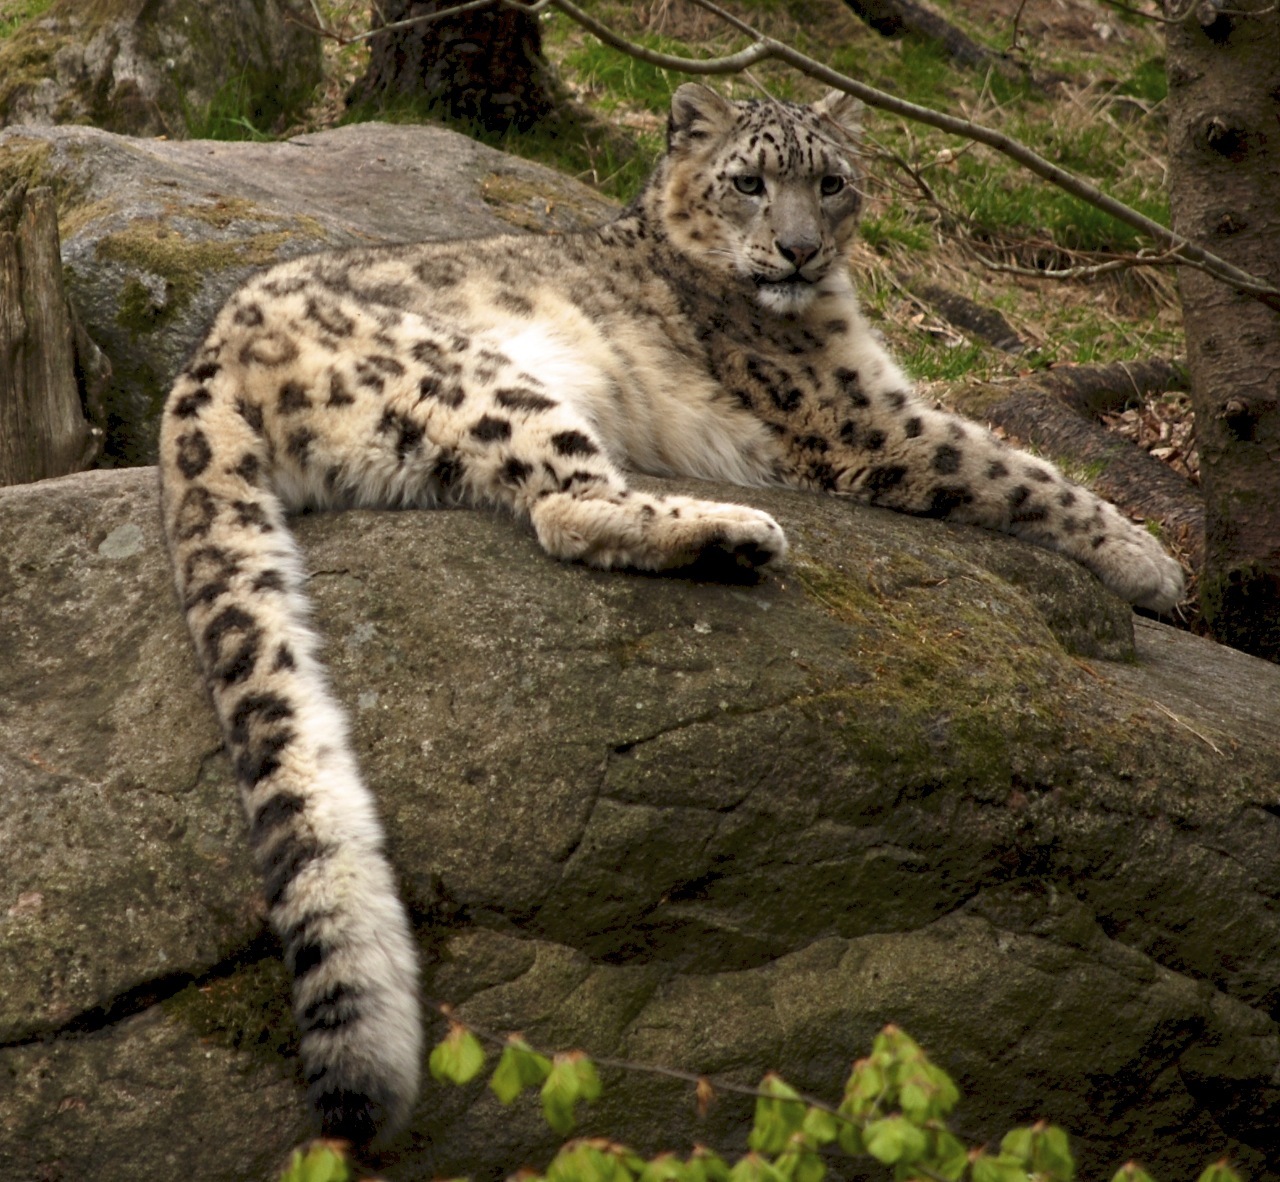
(313, 827)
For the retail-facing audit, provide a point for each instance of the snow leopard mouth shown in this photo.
(795, 279)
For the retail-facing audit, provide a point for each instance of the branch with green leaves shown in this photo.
(894, 1109)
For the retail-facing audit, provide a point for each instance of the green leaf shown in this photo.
(866, 1085)
(895, 1139)
(998, 1169)
(1017, 1144)
(849, 1137)
(1051, 1153)
(707, 1166)
(801, 1164)
(946, 1094)
(588, 1080)
(893, 1045)
(820, 1127)
(320, 1163)
(752, 1167)
(1131, 1172)
(559, 1093)
(949, 1157)
(519, 1067)
(458, 1058)
(666, 1167)
(779, 1113)
(1219, 1172)
(917, 1100)
(580, 1161)
(572, 1078)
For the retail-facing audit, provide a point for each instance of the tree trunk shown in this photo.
(1224, 182)
(42, 428)
(485, 65)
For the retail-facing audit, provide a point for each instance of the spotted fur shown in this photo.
(710, 331)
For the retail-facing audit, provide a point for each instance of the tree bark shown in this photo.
(1224, 180)
(485, 65)
(43, 431)
(1056, 413)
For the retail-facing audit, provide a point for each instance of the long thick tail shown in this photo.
(313, 827)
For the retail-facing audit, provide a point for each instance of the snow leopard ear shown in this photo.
(843, 110)
(697, 112)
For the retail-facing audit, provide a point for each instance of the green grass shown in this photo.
(16, 13)
(895, 226)
(932, 362)
(622, 81)
(571, 140)
(236, 112)
(1001, 201)
(1148, 81)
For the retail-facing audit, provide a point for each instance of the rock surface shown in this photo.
(159, 67)
(157, 233)
(722, 827)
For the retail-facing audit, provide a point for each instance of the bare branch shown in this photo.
(426, 18)
(1177, 17)
(731, 64)
(1143, 258)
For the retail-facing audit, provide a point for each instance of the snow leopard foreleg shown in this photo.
(529, 447)
(898, 452)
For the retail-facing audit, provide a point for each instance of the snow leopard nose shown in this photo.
(797, 252)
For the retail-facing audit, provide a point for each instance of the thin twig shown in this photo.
(427, 18)
(1178, 17)
(1187, 726)
(1017, 21)
(1143, 258)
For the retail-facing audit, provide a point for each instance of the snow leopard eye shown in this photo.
(752, 186)
(831, 185)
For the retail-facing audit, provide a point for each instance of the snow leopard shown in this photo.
(710, 331)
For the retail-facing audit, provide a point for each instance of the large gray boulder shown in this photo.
(156, 233)
(921, 775)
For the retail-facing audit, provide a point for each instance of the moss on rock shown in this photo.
(157, 247)
(245, 1007)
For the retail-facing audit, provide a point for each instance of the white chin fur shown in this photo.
(786, 298)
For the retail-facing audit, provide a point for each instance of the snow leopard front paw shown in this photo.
(657, 533)
(713, 534)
